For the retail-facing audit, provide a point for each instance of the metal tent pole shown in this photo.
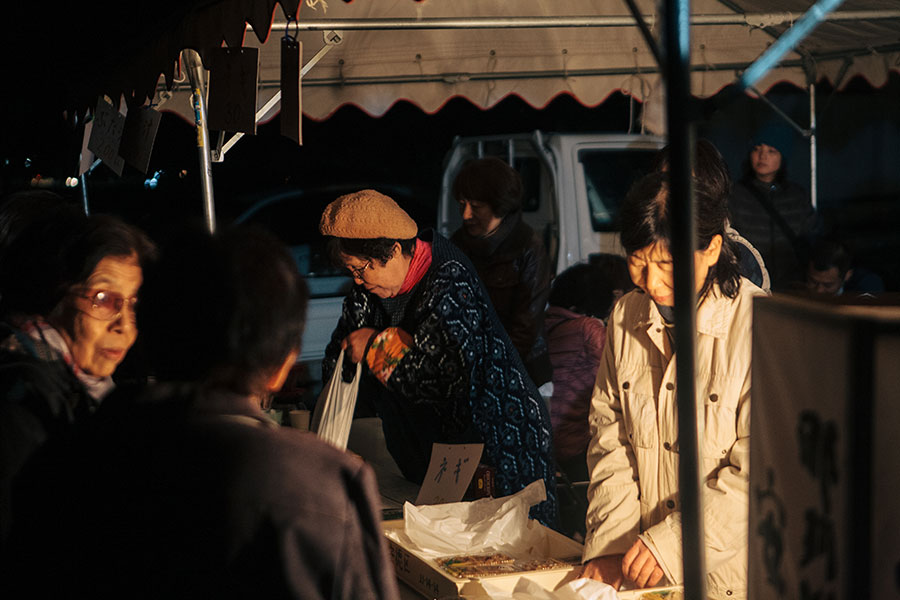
(813, 164)
(676, 34)
(85, 205)
(197, 76)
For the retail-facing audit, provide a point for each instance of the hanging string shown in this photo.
(491, 84)
(287, 26)
(643, 86)
(708, 67)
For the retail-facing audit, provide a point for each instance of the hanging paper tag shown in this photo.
(141, 125)
(87, 157)
(106, 134)
(233, 74)
(291, 103)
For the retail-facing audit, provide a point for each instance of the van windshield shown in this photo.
(608, 175)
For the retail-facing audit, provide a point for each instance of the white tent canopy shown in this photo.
(428, 52)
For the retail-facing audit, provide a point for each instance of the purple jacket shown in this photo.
(576, 343)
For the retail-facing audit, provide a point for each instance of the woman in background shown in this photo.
(579, 301)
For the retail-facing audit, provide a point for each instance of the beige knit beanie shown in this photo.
(367, 214)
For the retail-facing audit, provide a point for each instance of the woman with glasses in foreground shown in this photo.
(440, 366)
(68, 288)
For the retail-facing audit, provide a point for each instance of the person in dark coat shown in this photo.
(68, 287)
(188, 489)
(775, 215)
(579, 301)
(442, 367)
(831, 272)
(508, 255)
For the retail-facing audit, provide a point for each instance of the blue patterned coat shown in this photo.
(462, 380)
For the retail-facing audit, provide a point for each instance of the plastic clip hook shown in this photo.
(287, 26)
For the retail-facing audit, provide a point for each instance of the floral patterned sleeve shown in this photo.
(386, 351)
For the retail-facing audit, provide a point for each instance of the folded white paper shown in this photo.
(527, 589)
(485, 525)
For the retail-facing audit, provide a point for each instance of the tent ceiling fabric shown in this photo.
(833, 38)
(486, 65)
(66, 54)
(373, 69)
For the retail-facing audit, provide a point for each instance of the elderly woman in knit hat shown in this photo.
(774, 214)
(441, 366)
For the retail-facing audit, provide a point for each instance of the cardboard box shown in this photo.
(671, 592)
(424, 576)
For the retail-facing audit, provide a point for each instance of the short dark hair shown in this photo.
(490, 181)
(709, 167)
(827, 253)
(645, 219)
(380, 249)
(614, 269)
(102, 236)
(52, 254)
(223, 310)
(583, 288)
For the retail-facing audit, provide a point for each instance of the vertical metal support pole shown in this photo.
(197, 77)
(676, 33)
(813, 163)
(84, 194)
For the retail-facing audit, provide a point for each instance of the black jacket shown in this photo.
(191, 493)
(784, 257)
(40, 398)
(515, 269)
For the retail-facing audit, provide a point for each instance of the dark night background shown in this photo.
(858, 149)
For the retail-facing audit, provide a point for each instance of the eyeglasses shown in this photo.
(107, 306)
(357, 272)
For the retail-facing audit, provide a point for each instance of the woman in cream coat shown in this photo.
(634, 518)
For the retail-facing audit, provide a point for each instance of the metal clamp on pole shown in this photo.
(197, 76)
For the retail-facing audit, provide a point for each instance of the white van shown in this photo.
(573, 185)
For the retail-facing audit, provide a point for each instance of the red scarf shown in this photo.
(419, 264)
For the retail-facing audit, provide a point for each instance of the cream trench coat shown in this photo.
(633, 456)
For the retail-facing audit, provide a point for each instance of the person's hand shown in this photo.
(607, 569)
(640, 566)
(355, 344)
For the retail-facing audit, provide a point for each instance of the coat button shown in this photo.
(670, 504)
(713, 397)
(667, 446)
(670, 386)
(625, 385)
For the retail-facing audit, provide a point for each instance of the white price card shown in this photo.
(449, 472)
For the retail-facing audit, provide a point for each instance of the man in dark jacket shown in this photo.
(508, 255)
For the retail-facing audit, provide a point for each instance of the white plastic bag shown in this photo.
(334, 410)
